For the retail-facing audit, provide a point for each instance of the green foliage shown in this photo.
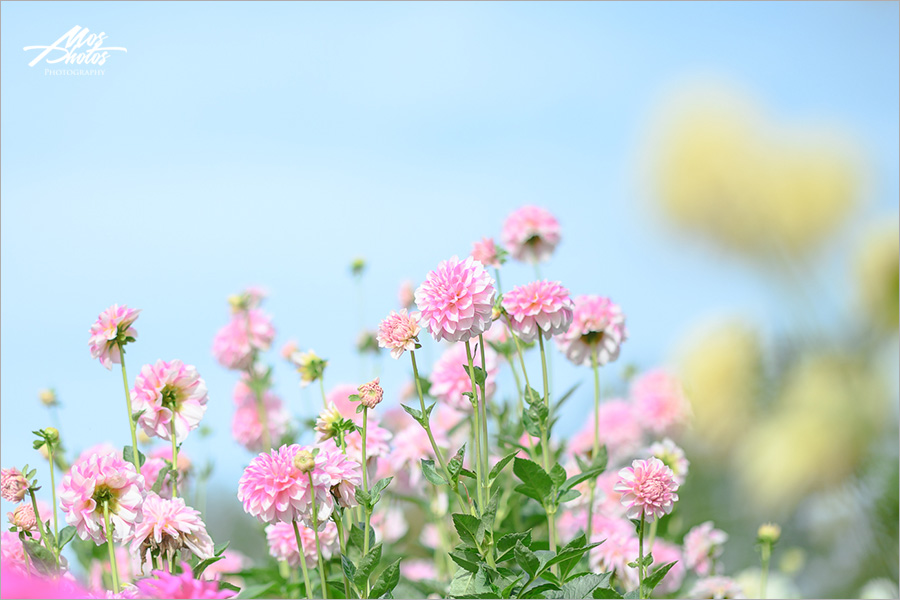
(128, 455)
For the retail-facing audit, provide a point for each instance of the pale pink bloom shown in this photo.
(660, 402)
(418, 570)
(539, 307)
(449, 379)
(370, 394)
(166, 585)
(170, 526)
(411, 445)
(407, 294)
(598, 326)
(339, 396)
(232, 562)
(283, 543)
(167, 393)
(13, 485)
(619, 430)
(570, 521)
(248, 332)
(485, 252)
(343, 476)
(16, 582)
(389, 524)
(456, 300)
(619, 547)
(91, 482)
(663, 553)
(246, 426)
(23, 517)
(398, 332)
(377, 443)
(290, 348)
(160, 458)
(673, 457)
(608, 500)
(716, 587)
(648, 488)
(530, 234)
(102, 448)
(703, 547)
(112, 326)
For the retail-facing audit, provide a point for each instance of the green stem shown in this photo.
(112, 549)
(479, 475)
(484, 425)
(37, 518)
(315, 528)
(368, 510)
(263, 420)
(338, 520)
(174, 474)
(55, 518)
(545, 447)
(592, 485)
(322, 389)
(134, 455)
(518, 352)
(652, 537)
(303, 568)
(766, 551)
(641, 558)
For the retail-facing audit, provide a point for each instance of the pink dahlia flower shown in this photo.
(283, 543)
(340, 474)
(377, 442)
(530, 234)
(648, 488)
(389, 524)
(598, 326)
(113, 327)
(23, 517)
(169, 394)
(456, 300)
(539, 307)
(411, 445)
(97, 480)
(169, 526)
(619, 547)
(160, 458)
(246, 427)
(221, 570)
(370, 394)
(449, 379)
(673, 457)
(248, 332)
(660, 401)
(406, 295)
(620, 431)
(716, 587)
(166, 585)
(399, 332)
(13, 485)
(663, 553)
(485, 252)
(703, 546)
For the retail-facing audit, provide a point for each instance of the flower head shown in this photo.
(620, 431)
(13, 485)
(539, 307)
(531, 234)
(406, 295)
(450, 380)
(283, 543)
(23, 517)
(167, 585)
(768, 533)
(456, 300)
(673, 457)
(716, 587)
(370, 394)
(246, 426)
(102, 479)
(248, 332)
(169, 394)
(48, 397)
(486, 253)
(703, 546)
(399, 332)
(169, 526)
(310, 366)
(648, 489)
(619, 548)
(111, 330)
(660, 401)
(598, 327)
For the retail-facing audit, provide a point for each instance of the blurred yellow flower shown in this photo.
(878, 274)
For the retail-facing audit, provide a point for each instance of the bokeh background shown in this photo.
(727, 173)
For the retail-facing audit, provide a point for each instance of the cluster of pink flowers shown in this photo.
(539, 307)
(486, 253)
(169, 395)
(112, 329)
(457, 300)
(163, 584)
(660, 401)
(248, 332)
(283, 542)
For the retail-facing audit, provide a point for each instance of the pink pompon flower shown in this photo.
(13, 485)
(98, 480)
(450, 380)
(716, 587)
(399, 332)
(406, 295)
(169, 526)
(660, 401)
(167, 585)
(370, 394)
(283, 543)
(673, 457)
(598, 328)
(485, 252)
(112, 328)
(648, 489)
(530, 234)
(23, 517)
(703, 547)
(248, 331)
(456, 300)
(539, 307)
(246, 426)
(343, 475)
(169, 394)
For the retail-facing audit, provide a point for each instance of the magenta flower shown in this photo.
(648, 489)
(486, 253)
(660, 401)
(399, 332)
(530, 234)
(598, 326)
(703, 546)
(112, 327)
(673, 457)
(166, 393)
(716, 587)
(167, 585)
(168, 526)
(456, 300)
(246, 427)
(23, 517)
(539, 307)
(13, 485)
(102, 478)
(248, 331)
(283, 543)
(450, 380)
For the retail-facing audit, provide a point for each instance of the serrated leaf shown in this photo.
(431, 473)
(362, 497)
(583, 586)
(602, 593)
(532, 426)
(366, 566)
(557, 475)
(469, 528)
(414, 413)
(356, 539)
(466, 558)
(501, 464)
(534, 477)
(468, 585)
(387, 581)
(128, 455)
(490, 513)
(348, 567)
(529, 491)
(526, 559)
(456, 463)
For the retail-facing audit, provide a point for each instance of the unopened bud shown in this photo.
(23, 517)
(48, 397)
(768, 533)
(370, 394)
(305, 461)
(52, 434)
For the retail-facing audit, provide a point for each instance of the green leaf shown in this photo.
(557, 475)
(41, 558)
(224, 585)
(506, 545)
(468, 585)
(387, 581)
(479, 374)
(431, 473)
(591, 473)
(527, 559)
(534, 478)
(469, 528)
(362, 497)
(415, 414)
(201, 566)
(456, 463)
(532, 397)
(532, 426)
(160, 479)
(366, 566)
(66, 535)
(128, 455)
(467, 558)
(257, 591)
(220, 549)
(380, 485)
(567, 496)
(656, 577)
(604, 593)
(490, 513)
(568, 557)
(568, 394)
(507, 591)
(356, 538)
(501, 464)
(583, 586)
(348, 567)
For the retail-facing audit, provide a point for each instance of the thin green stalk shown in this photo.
(338, 520)
(484, 425)
(641, 558)
(134, 455)
(112, 549)
(263, 420)
(174, 460)
(766, 551)
(40, 523)
(55, 518)
(592, 484)
(479, 475)
(315, 529)
(303, 568)
(545, 443)
(322, 389)
(652, 537)
(365, 489)
(153, 562)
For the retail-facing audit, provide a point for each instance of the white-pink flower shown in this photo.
(456, 300)
(539, 307)
(673, 456)
(485, 252)
(168, 526)
(399, 332)
(411, 445)
(660, 402)
(23, 517)
(716, 587)
(450, 380)
(531, 234)
(703, 546)
(246, 426)
(598, 327)
(112, 328)
(619, 427)
(619, 547)
(648, 489)
(249, 331)
(98, 480)
(406, 295)
(664, 553)
(283, 543)
(169, 394)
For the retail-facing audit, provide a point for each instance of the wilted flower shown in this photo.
(169, 526)
(539, 307)
(531, 234)
(659, 401)
(370, 394)
(23, 517)
(648, 489)
(399, 332)
(13, 485)
(167, 585)
(703, 546)
(673, 457)
(456, 300)
(112, 329)
(598, 326)
(169, 395)
(283, 543)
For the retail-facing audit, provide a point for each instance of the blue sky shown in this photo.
(270, 143)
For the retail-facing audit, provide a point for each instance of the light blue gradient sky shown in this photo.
(270, 143)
